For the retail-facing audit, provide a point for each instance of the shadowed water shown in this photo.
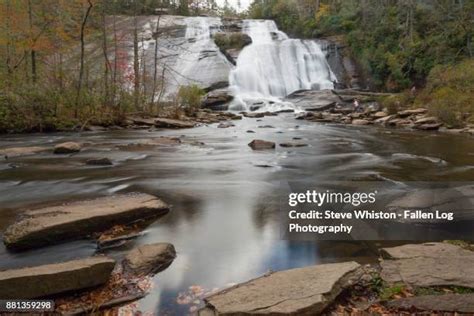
(223, 223)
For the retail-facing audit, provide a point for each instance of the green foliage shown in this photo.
(396, 44)
(449, 93)
(189, 98)
(231, 41)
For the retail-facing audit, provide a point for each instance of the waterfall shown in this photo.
(199, 62)
(274, 66)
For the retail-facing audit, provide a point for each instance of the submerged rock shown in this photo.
(258, 144)
(21, 151)
(293, 145)
(303, 291)
(225, 125)
(50, 279)
(150, 259)
(99, 162)
(55, 224)
(67, 148)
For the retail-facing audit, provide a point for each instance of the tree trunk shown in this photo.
(32, 52)
(136, 64)
(81, 67)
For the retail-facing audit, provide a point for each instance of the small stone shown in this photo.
(259, 144)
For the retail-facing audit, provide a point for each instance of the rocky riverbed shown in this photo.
(216, 186)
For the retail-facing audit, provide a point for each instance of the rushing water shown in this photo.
(274, 66)
(222, 222)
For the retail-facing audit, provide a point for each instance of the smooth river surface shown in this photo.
(220, 223)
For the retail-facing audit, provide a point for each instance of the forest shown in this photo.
(51, 78)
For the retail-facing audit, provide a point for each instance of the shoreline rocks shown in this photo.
(150, 259)
(50, 279)
(55, 224)
(428, 265)
(302, 291)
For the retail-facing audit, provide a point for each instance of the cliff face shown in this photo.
(343, 65)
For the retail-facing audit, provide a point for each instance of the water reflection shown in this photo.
(224, 220)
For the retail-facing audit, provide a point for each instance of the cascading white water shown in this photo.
(274, 66)
(199, 62)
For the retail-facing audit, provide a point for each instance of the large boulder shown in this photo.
(50, 279)
(150, 259)
(216, 99)
(314, 100)
(429, 264)
(54, 224)
(67, 148)
(258, 144)
(303, 291)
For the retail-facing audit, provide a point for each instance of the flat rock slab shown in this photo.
(427, 250)
(431, 264)
(461, 303)
(258, 144)
(150, 259)
(314, 100)
(171, 123)
(303, 291)
(54, 224)
(67, 148)
(50, 279)
(21, 151)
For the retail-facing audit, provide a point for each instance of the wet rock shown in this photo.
(429, 127)
(258, 144)
(430, 264)
(250, 131)
(360, 122)
(225, 125)
(303, 291)
(50, 279)
(172, 123)
(21, 151)
(266, 126)
(285, 111)
(150, 259)
(313, 100)
(287, 145)
(378, 115)
(383, 120)
(253, 114)
(399, 122)
(164, 141)
(215, 99)
(460, 303)
(55, 224)
(407, 113)
(427, 120)
(99, 162)
(67, 148)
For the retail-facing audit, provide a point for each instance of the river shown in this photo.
(220, 223)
